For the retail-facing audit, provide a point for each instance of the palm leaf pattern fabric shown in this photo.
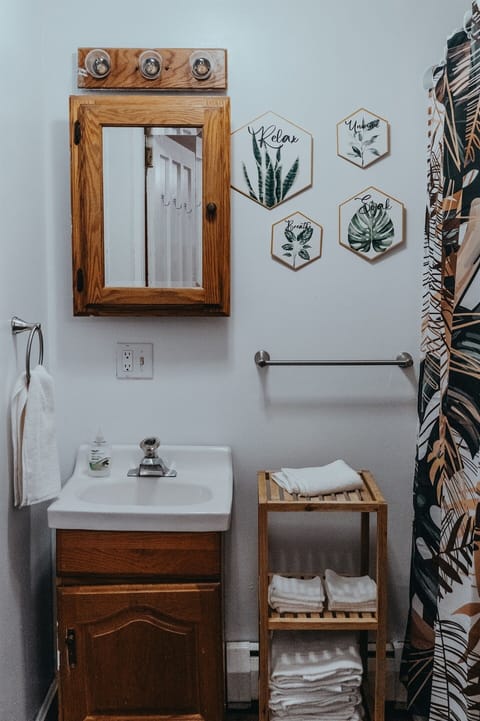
(441, 664)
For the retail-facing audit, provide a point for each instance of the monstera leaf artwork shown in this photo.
(272, 160)
(371, 223)
(371, 228)
(296, 241)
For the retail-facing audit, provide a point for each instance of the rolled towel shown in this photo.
(315, 481)
(296, 594)
(350, 593)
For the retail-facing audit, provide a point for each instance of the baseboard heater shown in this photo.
(242, 672)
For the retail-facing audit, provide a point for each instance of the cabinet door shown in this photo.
(139, 652)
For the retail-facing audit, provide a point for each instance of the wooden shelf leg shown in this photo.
(380, 656)
(263, 634)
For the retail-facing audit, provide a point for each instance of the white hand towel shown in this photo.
(357, 715)
(350, 593)
(17, 411)
(315, 481)
(296, 594)
(313, 657)
(35, 463)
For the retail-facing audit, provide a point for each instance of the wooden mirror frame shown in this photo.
(88, 115)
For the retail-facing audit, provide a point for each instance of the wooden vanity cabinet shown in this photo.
(140, 632)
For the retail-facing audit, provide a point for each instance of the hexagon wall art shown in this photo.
(271, 160)
(363, 138)
(296, 241)
(371, 223)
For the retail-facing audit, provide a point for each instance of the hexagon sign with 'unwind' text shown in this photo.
(363, 138)
(271, 160)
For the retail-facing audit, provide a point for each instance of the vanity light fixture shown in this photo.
(98, 63)
(150, 64)
(201, 66)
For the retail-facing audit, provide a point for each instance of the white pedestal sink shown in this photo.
(199, 498)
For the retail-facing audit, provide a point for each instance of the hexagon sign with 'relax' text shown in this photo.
(271, 160)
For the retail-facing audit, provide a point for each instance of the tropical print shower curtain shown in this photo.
(441, 665)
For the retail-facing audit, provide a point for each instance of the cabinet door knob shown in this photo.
(211, 210)
(71, 645)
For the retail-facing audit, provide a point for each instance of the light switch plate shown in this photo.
(134, 361)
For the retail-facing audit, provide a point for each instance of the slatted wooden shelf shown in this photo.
(325, 620)
(364, 501)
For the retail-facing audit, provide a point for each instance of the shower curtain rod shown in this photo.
(262, 359)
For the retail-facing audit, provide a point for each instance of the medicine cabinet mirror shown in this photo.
(150, 205)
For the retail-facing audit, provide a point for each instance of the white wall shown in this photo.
(312, 62)
(26, 635)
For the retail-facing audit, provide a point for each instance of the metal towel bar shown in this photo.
(262, 359)
(20, 326)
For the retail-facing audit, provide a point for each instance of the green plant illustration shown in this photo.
(371, 227)
(363, 142)
(272, 187)
(297, 245)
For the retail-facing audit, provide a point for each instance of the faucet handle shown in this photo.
(149, 446)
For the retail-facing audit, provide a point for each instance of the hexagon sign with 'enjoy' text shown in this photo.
(363, 138)
(271, 160)
(371, 223)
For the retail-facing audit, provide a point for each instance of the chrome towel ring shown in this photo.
(20, 326)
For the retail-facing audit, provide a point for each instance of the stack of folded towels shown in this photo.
(315, 676)
(296, 595)
(304, 595)
(345, 593)
(335, 477)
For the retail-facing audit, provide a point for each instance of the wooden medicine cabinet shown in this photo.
(150, 183)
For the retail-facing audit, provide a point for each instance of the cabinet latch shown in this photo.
(77, 132)
(71, 645)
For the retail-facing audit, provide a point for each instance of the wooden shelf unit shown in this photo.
(367, 500)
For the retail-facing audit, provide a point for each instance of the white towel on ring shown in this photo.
(315, 481)
(36, 470)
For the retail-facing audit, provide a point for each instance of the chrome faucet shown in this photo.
(152, 464)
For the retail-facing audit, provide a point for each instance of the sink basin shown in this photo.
(199, 498)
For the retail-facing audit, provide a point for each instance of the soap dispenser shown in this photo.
(99, 456)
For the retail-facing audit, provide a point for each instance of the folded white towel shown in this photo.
(314, 657)
(350, 593)
(307, 700)
(296, 594)
(35, 456)
(357, 715)
(315, 481)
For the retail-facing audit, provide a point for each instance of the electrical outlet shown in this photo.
(127, 361)
(134, 360)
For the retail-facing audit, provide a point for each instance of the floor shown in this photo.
(251, 714)
(391, 714)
